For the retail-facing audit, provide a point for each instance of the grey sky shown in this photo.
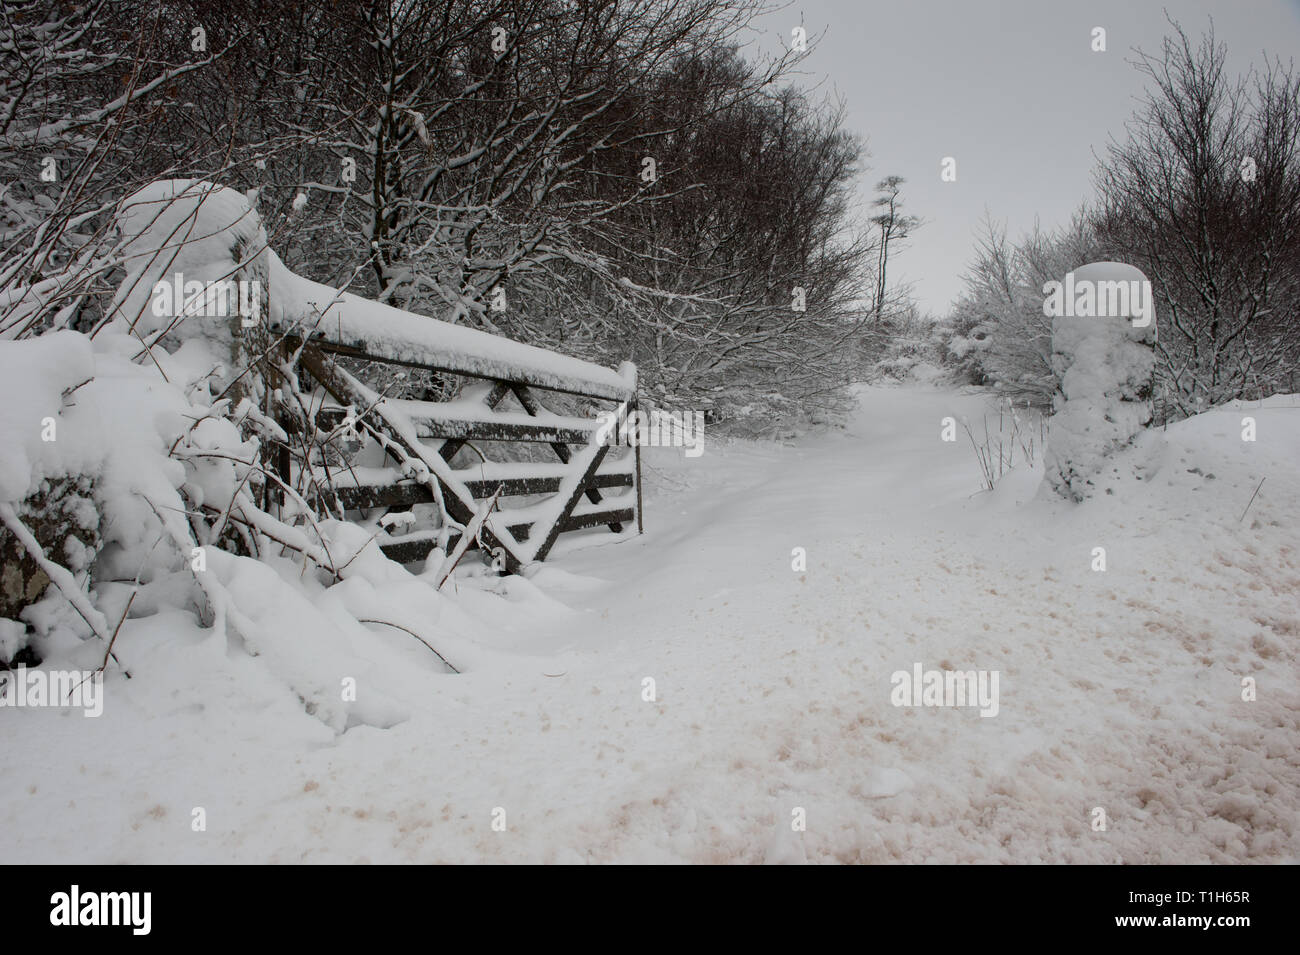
(1011, 89)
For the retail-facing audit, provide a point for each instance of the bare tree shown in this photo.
(80, 86)
(757, 267)
(895, 227)
(1204, 196)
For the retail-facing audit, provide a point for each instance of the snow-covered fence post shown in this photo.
(1103, 338)
(197, 268)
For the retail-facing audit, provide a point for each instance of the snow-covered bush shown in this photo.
(912, 346)
(997, 332)
(110, 440)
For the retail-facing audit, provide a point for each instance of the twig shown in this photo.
(120, 620)
(344, 565)
(398, 626)
(1252, 500)
(104, 663)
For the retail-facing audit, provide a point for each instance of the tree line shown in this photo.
(1203, 195)
(613, 179)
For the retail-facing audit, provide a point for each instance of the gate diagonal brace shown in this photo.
(532, 406)
(461, 505)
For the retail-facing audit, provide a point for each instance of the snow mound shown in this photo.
(34, 374)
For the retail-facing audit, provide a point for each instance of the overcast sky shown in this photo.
(1010, 89)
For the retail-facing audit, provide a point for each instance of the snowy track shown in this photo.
(1119, 690)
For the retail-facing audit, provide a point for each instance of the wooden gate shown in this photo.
(591, 482)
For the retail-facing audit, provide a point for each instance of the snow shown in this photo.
(116, 427)
(1119, 689)
(33, 376)
(504, 470)
(387, 332)
(436, 416)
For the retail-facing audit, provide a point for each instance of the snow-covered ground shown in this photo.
(1119, 689)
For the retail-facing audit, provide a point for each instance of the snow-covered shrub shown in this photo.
(126, 449)
(44, 483)
(998, 334)
(912, 346)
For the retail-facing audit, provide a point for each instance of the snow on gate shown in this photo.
(422, 439)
